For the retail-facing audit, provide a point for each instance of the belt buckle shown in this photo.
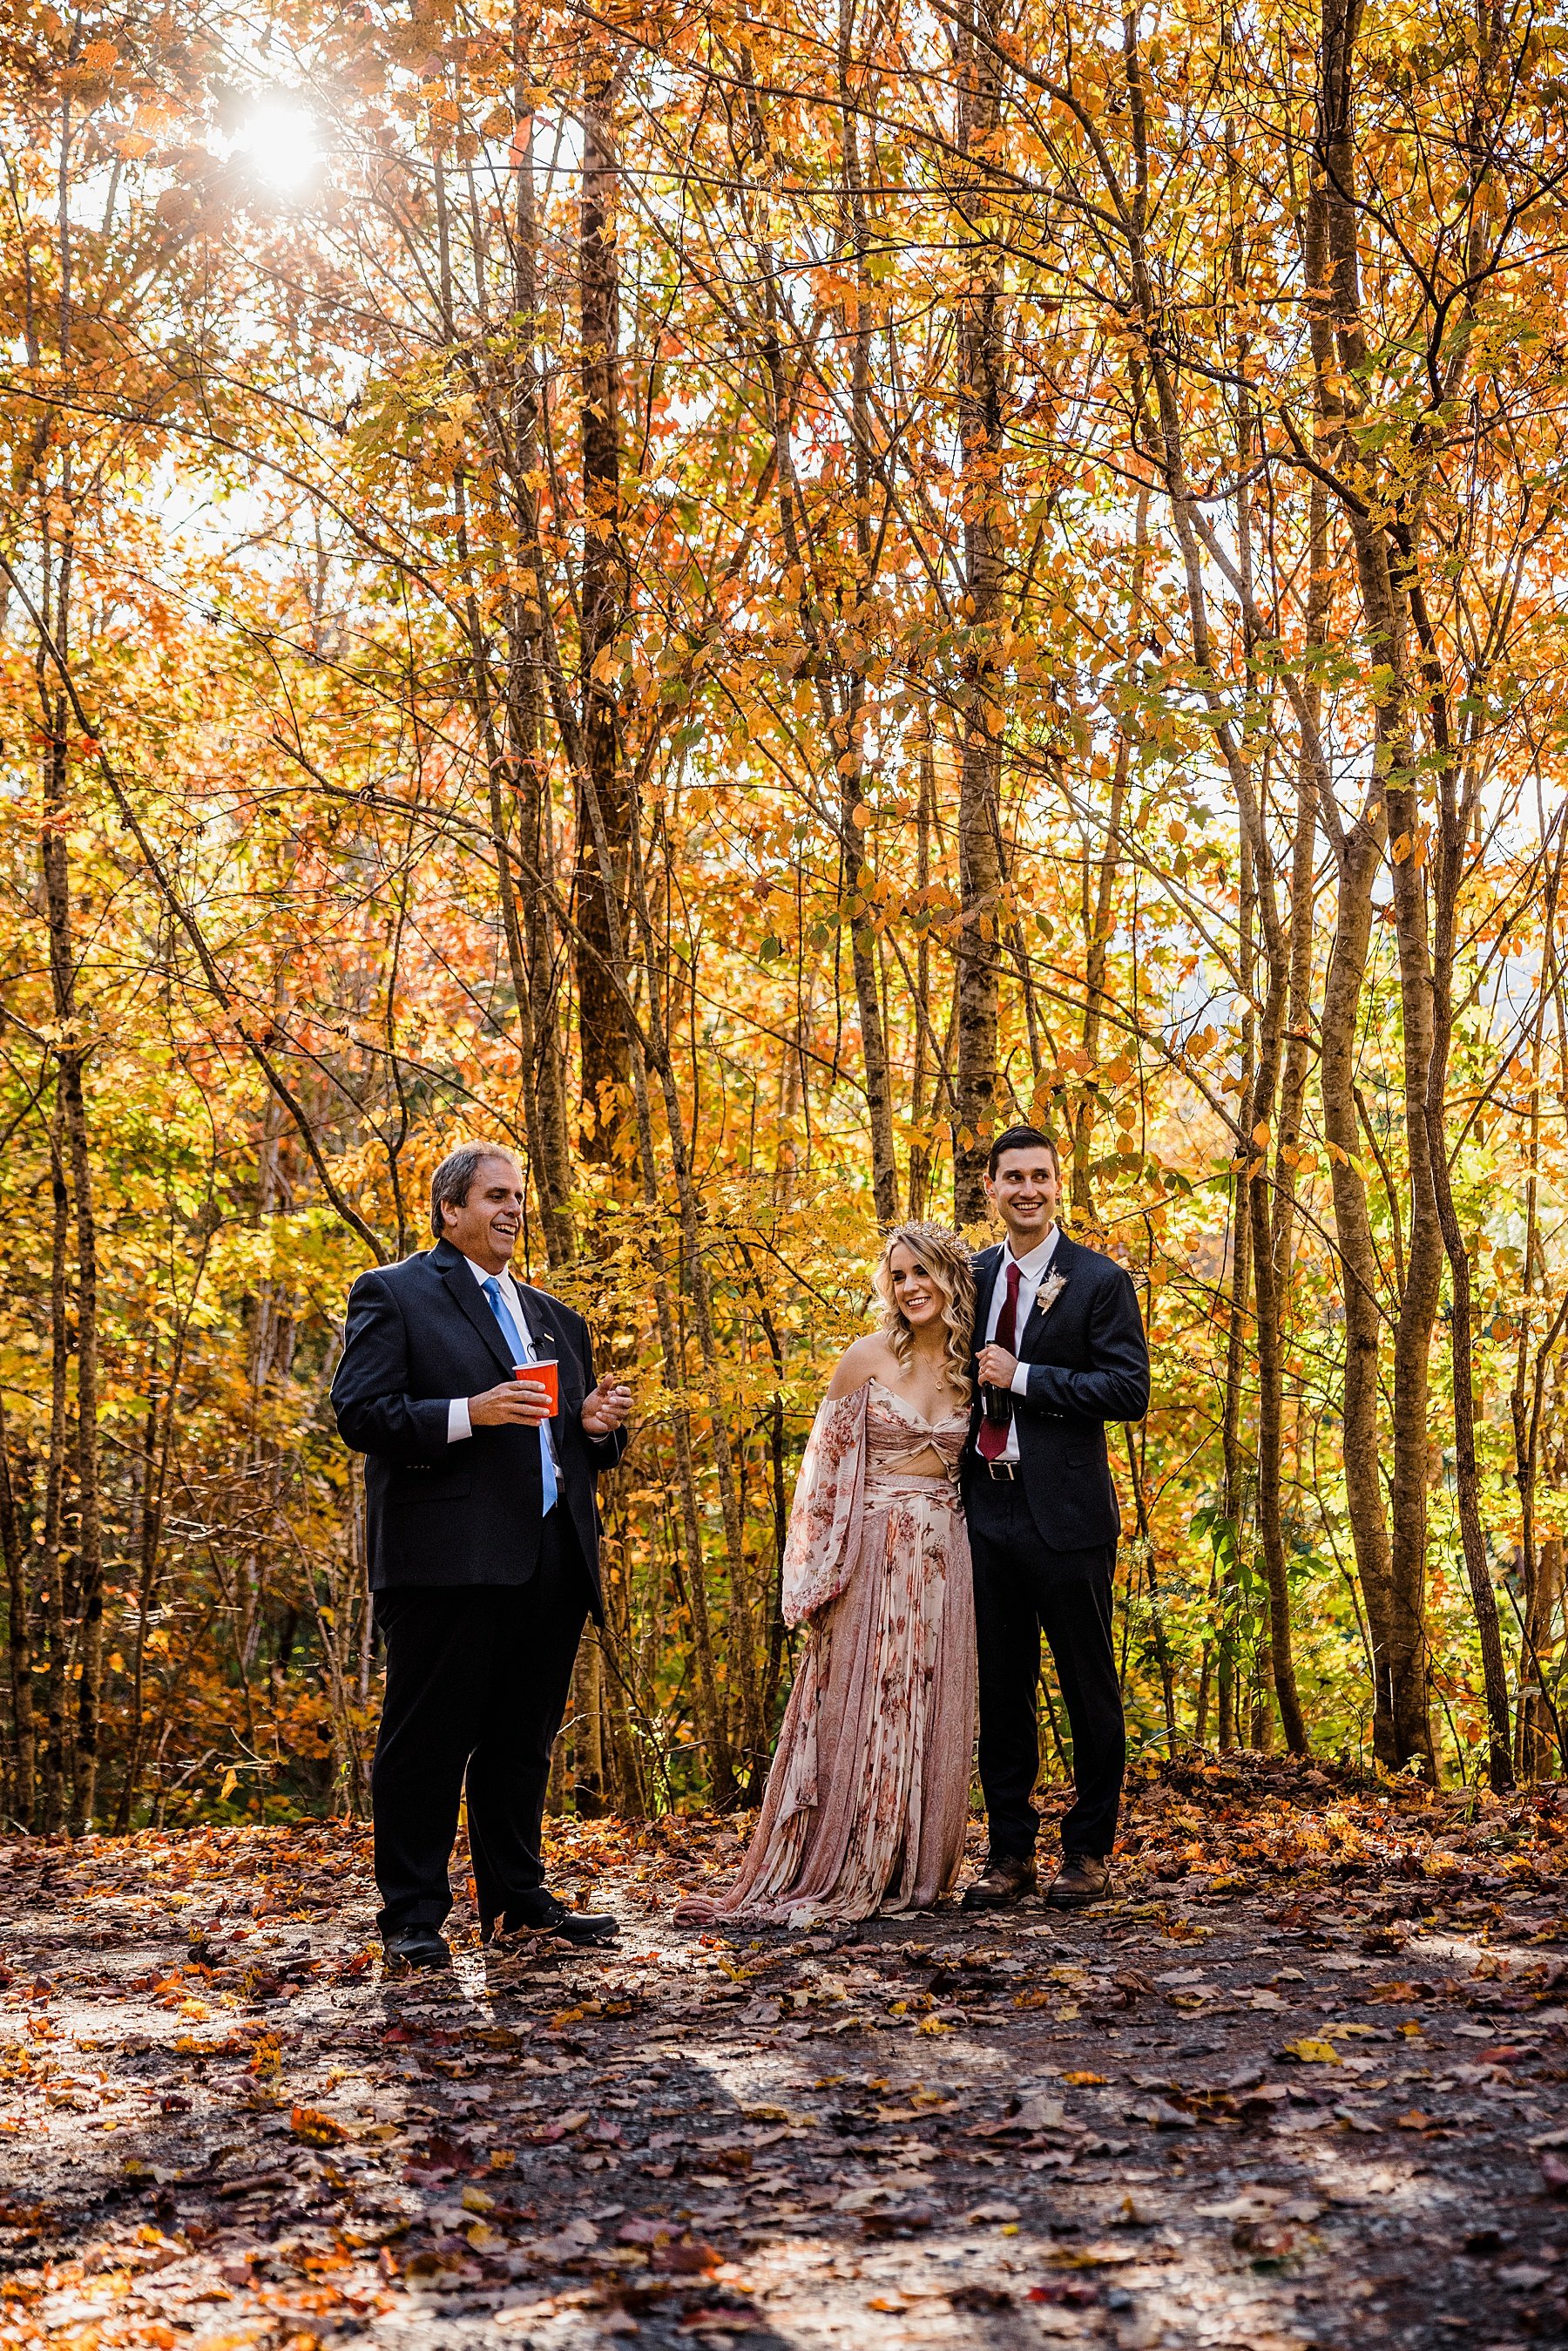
(1008, 1469)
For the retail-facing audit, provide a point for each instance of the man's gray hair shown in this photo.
(454, 1179)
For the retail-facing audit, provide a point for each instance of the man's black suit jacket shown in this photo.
(1089, 1363)
(417, 1334)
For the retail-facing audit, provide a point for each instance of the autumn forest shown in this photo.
(736, 602)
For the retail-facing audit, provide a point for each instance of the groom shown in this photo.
(483, 1540)
(1060, 1345)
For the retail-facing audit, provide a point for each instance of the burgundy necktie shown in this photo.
(992, 1441)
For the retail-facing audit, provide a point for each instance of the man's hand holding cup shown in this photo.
(526, 1401)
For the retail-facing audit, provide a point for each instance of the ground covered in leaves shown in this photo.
(1299, 2082)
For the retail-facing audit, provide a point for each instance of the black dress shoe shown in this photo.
(1008, 1877)
(540, 1912)
(416, 1947)
(1083, 1878)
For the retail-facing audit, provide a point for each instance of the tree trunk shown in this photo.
(1393, 1565)
(604, 803)
(52, 1791)
(1257, 1122)
(20, 1641)
(1235, 1499)
(587, 1735)
(1100, 910)
(979, 369)
(847, 740)
(545, 1093)
(1457, 809)
(89, 1661)
(919, 1149)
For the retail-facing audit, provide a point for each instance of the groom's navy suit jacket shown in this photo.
(1088, 1362)
(418, 1334)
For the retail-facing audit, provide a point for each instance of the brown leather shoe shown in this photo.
(1082, 1878)
(1008, 1878)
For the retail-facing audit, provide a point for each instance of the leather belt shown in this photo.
(1008, 1469)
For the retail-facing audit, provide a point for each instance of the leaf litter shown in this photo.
(1299, 2084)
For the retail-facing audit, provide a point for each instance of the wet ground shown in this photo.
(1301, 2081)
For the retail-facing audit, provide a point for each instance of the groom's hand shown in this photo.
(606, 1407)
(515, 1404)
(996, 1367)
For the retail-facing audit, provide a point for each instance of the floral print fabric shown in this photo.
(820, 1550)
(869, 1796)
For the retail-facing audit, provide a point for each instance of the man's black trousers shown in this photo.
(477, 1680)
(1022, 1588)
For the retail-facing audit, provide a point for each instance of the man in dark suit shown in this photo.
(484, 1532)
(1059, 1351)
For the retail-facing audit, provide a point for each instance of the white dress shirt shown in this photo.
(458, 1424)
(1031, 1272)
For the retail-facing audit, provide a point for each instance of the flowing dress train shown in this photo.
(868, 1799)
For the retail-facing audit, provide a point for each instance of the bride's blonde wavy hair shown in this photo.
(945, 1257)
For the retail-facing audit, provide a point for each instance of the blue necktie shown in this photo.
(522, 1354)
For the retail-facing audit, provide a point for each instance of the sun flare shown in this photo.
(279, 140)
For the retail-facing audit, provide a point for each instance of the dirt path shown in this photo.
(1297, 2086)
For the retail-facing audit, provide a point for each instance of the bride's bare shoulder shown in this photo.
(865, 1359)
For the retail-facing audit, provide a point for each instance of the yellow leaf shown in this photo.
(231, 1781)
(316, 2129)
(1401, 848)
(933, 2024)
(1261, 1132)
(1086, 2081)
(1311, 2051)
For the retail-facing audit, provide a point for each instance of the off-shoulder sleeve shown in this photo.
(824, 1538)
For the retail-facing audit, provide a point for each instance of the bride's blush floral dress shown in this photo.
(868, 1796)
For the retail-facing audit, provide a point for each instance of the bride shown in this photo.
(868, 1796)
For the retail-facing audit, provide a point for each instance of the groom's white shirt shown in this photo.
(458, 1424)
(1031, 1272)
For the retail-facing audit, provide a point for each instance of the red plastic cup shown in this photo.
(548, 1376)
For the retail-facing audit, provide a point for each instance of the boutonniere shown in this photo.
(1049, 1292)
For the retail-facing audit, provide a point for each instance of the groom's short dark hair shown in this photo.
(1021, 1138)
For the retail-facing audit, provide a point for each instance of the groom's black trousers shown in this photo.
(1020, 1588)
(477, 1680)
